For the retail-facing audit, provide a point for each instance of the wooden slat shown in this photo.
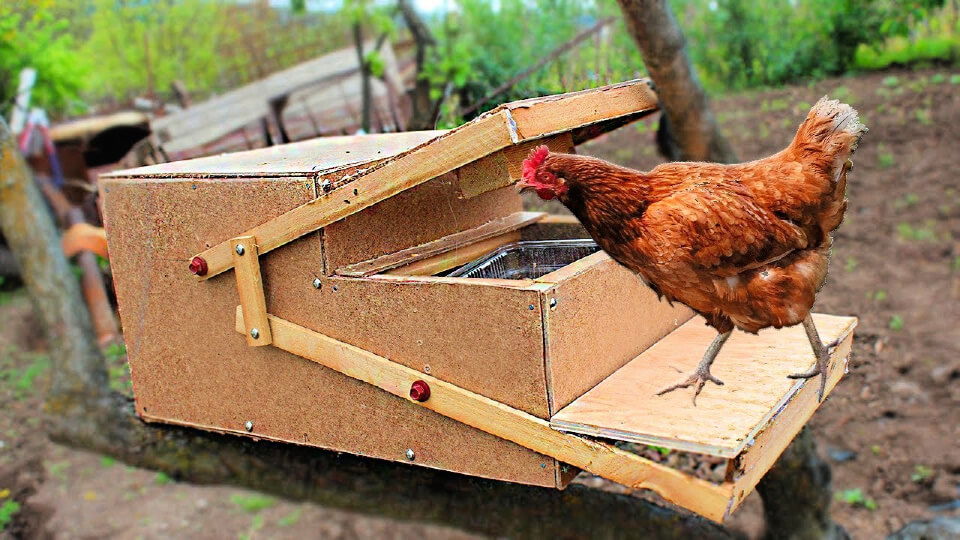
(552, 114)
(726, 418)
(250, 289)
(455, 257)
(493, 228)
(443, 154)
(498, 419)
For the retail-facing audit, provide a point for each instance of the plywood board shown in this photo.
(726, 418)
(603, 318)
(189, 366)
(304, 158)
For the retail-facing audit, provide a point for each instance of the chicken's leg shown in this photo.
(822, 353)
(702, 373)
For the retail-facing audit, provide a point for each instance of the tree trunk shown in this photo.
(691, 131)
(424, 112)
(797, 493)
(365, 102)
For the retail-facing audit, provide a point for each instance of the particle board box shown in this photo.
(367, 279)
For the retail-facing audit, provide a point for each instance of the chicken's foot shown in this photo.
(702, 374)
(822, 352)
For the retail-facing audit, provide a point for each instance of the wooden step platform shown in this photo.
(726, 418)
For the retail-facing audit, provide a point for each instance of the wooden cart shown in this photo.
(334, 329)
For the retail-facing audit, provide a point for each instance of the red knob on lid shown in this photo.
(420, 391)
(198, 266)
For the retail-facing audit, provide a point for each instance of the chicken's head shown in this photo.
(537, 176)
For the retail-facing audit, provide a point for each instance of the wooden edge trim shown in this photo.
(455, 257)
(246, 259)
(560, 219)
(770, 443)
(447, 243)
(429, 160)
(575, 268)
(607, 461)
(518, 284)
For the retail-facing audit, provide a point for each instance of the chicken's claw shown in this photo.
(698, 377)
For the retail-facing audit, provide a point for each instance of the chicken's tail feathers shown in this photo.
(829, 135)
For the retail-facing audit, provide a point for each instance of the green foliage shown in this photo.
(33, 35)
(896, 323)
(661, 450)
(8, 509)
(878, 296)
(107, 462)
(921, 473)
(911, 233)
(855, 497)
(23, 380)
(253, 502)
(290, 519)
(162, 479)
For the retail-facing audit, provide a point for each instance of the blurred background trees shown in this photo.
(105, 52)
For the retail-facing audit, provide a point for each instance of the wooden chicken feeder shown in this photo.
(334, 329)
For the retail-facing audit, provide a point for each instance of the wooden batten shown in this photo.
(500, 420)
(246, 259)
(458, 256)
(497, 227)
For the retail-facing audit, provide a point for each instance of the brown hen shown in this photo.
(743, 245)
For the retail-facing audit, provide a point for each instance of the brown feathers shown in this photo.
(744, 245)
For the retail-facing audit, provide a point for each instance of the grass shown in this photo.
(290, 519)
(896, 323)
(921, 473)
(955, 79)
(884, 158)
(23, 380)
(855, 497)
(878, 296)
(162, 479)
(252, 503)
(901, 51)
(8, 509)
(663, 451)
(850, 264)
(923, 116)
(107, 461)
(955, 265)
(911, 233)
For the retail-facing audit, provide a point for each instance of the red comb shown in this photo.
(534, 160)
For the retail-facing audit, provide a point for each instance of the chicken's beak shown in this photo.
(523, 186)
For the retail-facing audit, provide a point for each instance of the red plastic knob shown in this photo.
(198, 266)
(420, 391)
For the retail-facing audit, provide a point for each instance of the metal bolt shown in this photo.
(198, 266)
(317, 283)
(530, 307)
(420, 391)
(326, 186)
(249, 425)
(553, 302)
(240, 249)
(255, 333)
(411, 455)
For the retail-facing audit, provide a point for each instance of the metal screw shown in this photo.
(317, 283)
(411, 455)
(530, 307)
(326, 186)
(553, 302)
(240, 249)
(249, 425)
(255, 333)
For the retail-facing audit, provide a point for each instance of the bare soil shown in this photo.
(890, 429)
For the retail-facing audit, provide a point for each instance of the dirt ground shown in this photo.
(890, 430)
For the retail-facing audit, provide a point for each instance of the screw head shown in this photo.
(240, 249)
(420, 391)
(198, 266)
(248, 425)
(326, 186)
(530, 307)
(553, 302)
(411, 455)
(255, 333)
(317, 283)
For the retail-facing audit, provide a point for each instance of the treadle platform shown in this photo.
(756, 393)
